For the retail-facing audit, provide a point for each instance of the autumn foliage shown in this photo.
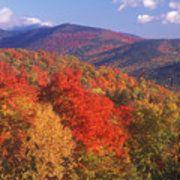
(63, 119)
(94, 119)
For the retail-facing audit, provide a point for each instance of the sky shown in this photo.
(145, 18)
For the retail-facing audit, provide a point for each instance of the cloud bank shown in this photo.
(9, 20)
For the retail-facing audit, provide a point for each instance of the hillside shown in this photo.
(69, 39)
(4, 34)
(134, 55)
(148, 58)
(64, 119)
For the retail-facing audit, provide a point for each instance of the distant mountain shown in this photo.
(168, 75)
(4, 34)
(7, 34)
(154, 59)
(25, 28)
(137, 56)
(70, 39)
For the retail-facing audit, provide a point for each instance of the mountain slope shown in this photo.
(4, 33)
(70, 39)
(136, 56)
(61, 118)
(147, 58)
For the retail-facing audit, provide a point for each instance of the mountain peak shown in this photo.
(68, 27)
(69, 38)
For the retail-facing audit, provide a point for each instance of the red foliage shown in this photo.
(17, 98)
(15, 92)
(42, 76)
(14, 85)
(4, 136)
(93, 118)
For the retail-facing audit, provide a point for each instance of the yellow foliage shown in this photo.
(98, 91)
(49, 143)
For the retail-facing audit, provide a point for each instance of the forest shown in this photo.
(61, 118)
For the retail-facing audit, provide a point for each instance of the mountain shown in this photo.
(4, 34)
(158, 60)
(7, 34)
(135, 55)
(25, 28)
(70, 39)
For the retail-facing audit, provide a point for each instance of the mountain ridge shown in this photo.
(99, 46)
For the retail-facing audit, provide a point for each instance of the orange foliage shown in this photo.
(93, 118)
(13, 84)
(16, 101)
(42, 76)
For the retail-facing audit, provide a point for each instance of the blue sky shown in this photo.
(146, 18)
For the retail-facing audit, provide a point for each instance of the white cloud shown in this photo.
(9, 20)
(150, 4)
(128, 3)
(144, 18)
(5, 15)
(174, 5)
(33, 21)
(172, 17)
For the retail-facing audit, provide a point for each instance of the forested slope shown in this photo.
(61, 118)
